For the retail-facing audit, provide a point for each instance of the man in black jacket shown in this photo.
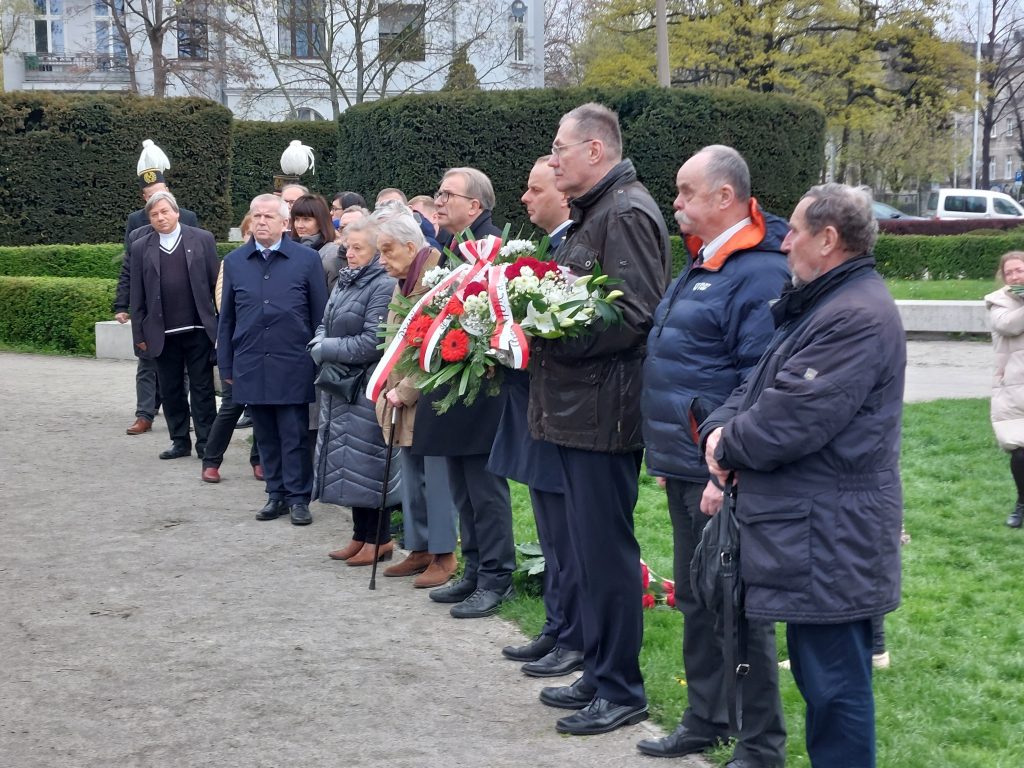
(147, 390)
(464, 435)
(585, 398)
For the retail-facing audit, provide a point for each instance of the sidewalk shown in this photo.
(148, 620)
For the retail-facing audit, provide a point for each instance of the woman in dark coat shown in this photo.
(350, 449)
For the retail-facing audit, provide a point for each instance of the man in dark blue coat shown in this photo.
(273, 299)
(464, 435)
(709, 331)
(813, 437)
(558, 650)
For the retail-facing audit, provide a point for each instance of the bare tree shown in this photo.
(15, 16)
(350, 51)
(567, 24)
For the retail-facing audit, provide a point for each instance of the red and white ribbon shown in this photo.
(508, 337)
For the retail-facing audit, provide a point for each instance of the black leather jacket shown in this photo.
(585, 392)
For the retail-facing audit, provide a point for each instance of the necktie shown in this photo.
(266, 254)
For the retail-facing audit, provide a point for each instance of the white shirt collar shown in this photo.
(711, 248)
(560, 228)
(170, 241)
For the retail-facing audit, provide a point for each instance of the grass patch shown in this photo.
(941, 290)
(955, 691)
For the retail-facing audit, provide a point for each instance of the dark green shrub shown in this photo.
(54, 313)
(68, 163)
(916, 257)
(409, 141)
(256, 159)
(101, 260)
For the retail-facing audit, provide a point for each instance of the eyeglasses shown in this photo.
(557, 150)
(443, 196)
(336, 209)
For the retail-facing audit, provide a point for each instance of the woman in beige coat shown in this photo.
(1006, 316)
(429, 518)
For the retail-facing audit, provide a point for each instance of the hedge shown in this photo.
(54, 313)
(68, 163)
(919, 257)
(256, 153)
(947, 226)
(101, 260)
(408, 141)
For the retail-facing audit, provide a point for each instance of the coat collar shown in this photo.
(622, 172)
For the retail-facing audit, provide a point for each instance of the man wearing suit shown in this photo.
(558, 650)
(464, 434)
(585, 398)
(272, 301)
(147, 393)
(174, 271)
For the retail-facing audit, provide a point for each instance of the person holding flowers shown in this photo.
(463, 434)
(429, 519)
(585, 398)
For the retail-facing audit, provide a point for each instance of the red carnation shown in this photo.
(513, 271)
(417, 330)
(455, 345)
(648, 600)
(474, 289)
(645, 574)
(454, 306)
(668, 586)
(670, 599)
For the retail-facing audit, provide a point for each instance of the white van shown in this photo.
(949, 203)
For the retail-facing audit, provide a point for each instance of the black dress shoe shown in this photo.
(244, 422)
(300, 514)
(483, 602)
(575, 696)
(272, 510)
(176, 452)
(455, 592)
(537, 648)
(561, 661)
(682, 741)
(601, 716)
(1016, 517)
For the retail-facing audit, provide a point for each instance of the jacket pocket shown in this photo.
(572, 398)
(580, 259)
(775, 541)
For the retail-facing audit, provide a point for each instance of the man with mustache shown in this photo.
(709, 332)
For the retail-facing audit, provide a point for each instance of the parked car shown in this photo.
(972, 204)
(884, 212)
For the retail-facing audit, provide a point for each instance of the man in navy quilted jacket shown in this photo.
(709, 331)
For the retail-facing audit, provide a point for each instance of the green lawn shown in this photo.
(942, 290)
(954, 696)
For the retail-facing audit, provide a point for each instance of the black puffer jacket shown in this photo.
(585, 392)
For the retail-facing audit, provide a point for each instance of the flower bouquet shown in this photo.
(478, 314)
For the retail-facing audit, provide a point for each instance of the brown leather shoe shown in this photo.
(365, 555)
(211, 475)
(439, 572)
(139, 426)
(347, 551)
(416, 562)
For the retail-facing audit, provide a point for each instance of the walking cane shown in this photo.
(383, 498)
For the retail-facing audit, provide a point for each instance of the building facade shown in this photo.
(270, 59)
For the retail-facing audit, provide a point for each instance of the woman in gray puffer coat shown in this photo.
(350, 448)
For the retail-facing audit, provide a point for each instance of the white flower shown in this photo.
(513, 249)
(435, 275)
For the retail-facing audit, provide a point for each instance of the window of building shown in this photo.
(308, 114)
(110, 48)
(518, 44)
(49, 26)
(301, 25)
(1009, 167)
(1010, 125)
(995, 129)
(400, 31)
(193, 30)
(991, 170)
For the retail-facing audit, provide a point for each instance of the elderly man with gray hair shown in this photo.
(173, 274)
(812, 439)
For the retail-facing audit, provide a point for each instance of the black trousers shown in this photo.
(600, 493)
(223, 428)
(485, 521)
(762, 739)
(282, 434)
(364, 525)
(561, 581)
(189, 351)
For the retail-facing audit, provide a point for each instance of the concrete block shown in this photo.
(943, 316)
(114, 340)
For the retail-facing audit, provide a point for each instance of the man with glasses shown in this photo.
(464, 436)
(585, 398)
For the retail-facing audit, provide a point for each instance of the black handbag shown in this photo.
(340, 380)
(715, 581)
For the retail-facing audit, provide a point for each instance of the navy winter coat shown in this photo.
(709, 331)
(350, 448)
(269, 311)
(814, 437)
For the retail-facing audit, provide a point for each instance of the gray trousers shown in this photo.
(147, 390)
(428, 511)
